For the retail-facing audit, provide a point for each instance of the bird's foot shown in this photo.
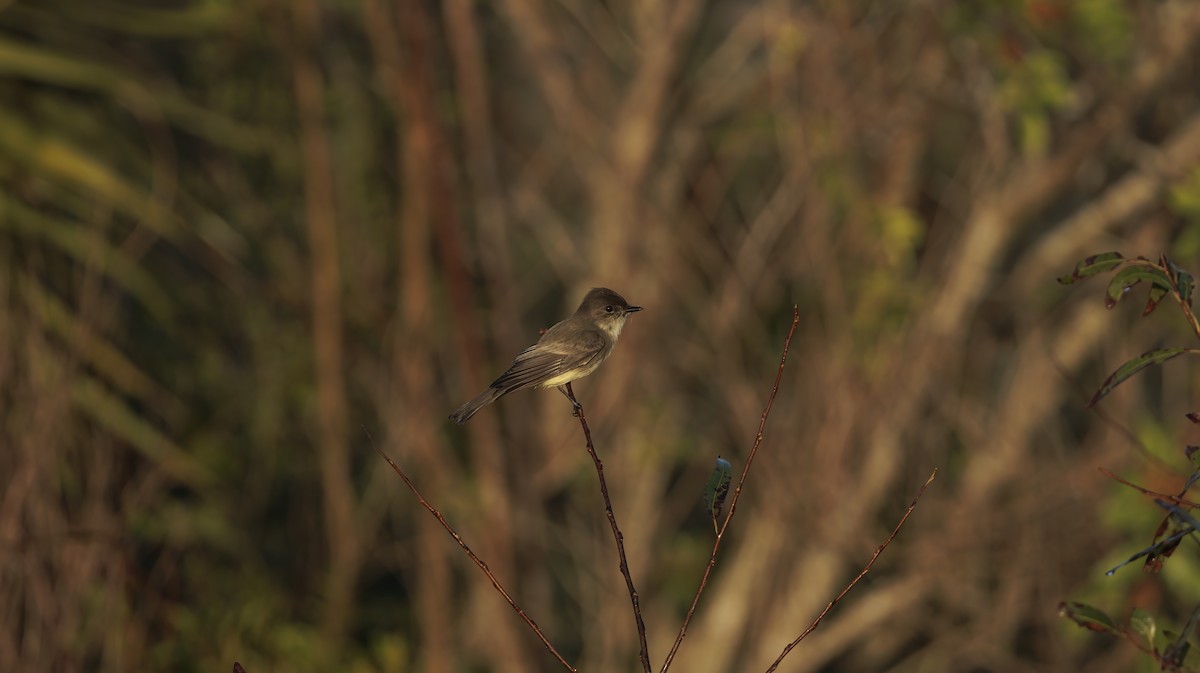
(576, 407)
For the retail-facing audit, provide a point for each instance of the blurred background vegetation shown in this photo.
(235, 235)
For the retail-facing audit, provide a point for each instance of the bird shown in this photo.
(569, 350)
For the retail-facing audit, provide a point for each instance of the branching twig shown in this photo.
(712, 559)
(478, 561)
(644, 651)
(866, 569)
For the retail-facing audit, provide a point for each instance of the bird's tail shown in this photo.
(465, 412)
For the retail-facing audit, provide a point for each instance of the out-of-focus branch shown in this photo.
(1132, 194)
(488, 210)
(1038, 180)
(405, 52)
(557, 84)
(341, 531)
(471, 86)
(638, 121)
(993, 223)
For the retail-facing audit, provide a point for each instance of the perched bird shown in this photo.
(570, 350)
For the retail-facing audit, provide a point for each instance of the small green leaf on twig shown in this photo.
(1155, 357)
(1087, 616)
(717, 488)
(1183, 281)
(1157, 292)
(1186, 283)
(1142, 624)
(1093, 265)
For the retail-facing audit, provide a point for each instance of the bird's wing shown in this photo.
(549, 358)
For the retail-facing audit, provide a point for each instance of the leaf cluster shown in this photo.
(1171, 649)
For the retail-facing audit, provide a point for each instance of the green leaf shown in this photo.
(717, 488)
(1142, 624)
(1088, 617)
(1093, 265)
(1157, 292)
(1155, 357)
(1132, 275)
(1184, 281)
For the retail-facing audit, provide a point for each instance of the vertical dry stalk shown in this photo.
(336, 484)
(404, 52)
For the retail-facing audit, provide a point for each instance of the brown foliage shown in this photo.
(232, 234)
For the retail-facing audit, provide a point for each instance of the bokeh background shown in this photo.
(241, 241)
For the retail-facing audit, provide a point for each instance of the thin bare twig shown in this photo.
(866, 569)
(1177, 499)
(478, 561)
(712, 559)
(644, 651)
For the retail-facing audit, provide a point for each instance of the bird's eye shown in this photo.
(608, 309)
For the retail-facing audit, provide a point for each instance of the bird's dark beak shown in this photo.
(632, 309)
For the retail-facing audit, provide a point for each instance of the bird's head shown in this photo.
(607, 308)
